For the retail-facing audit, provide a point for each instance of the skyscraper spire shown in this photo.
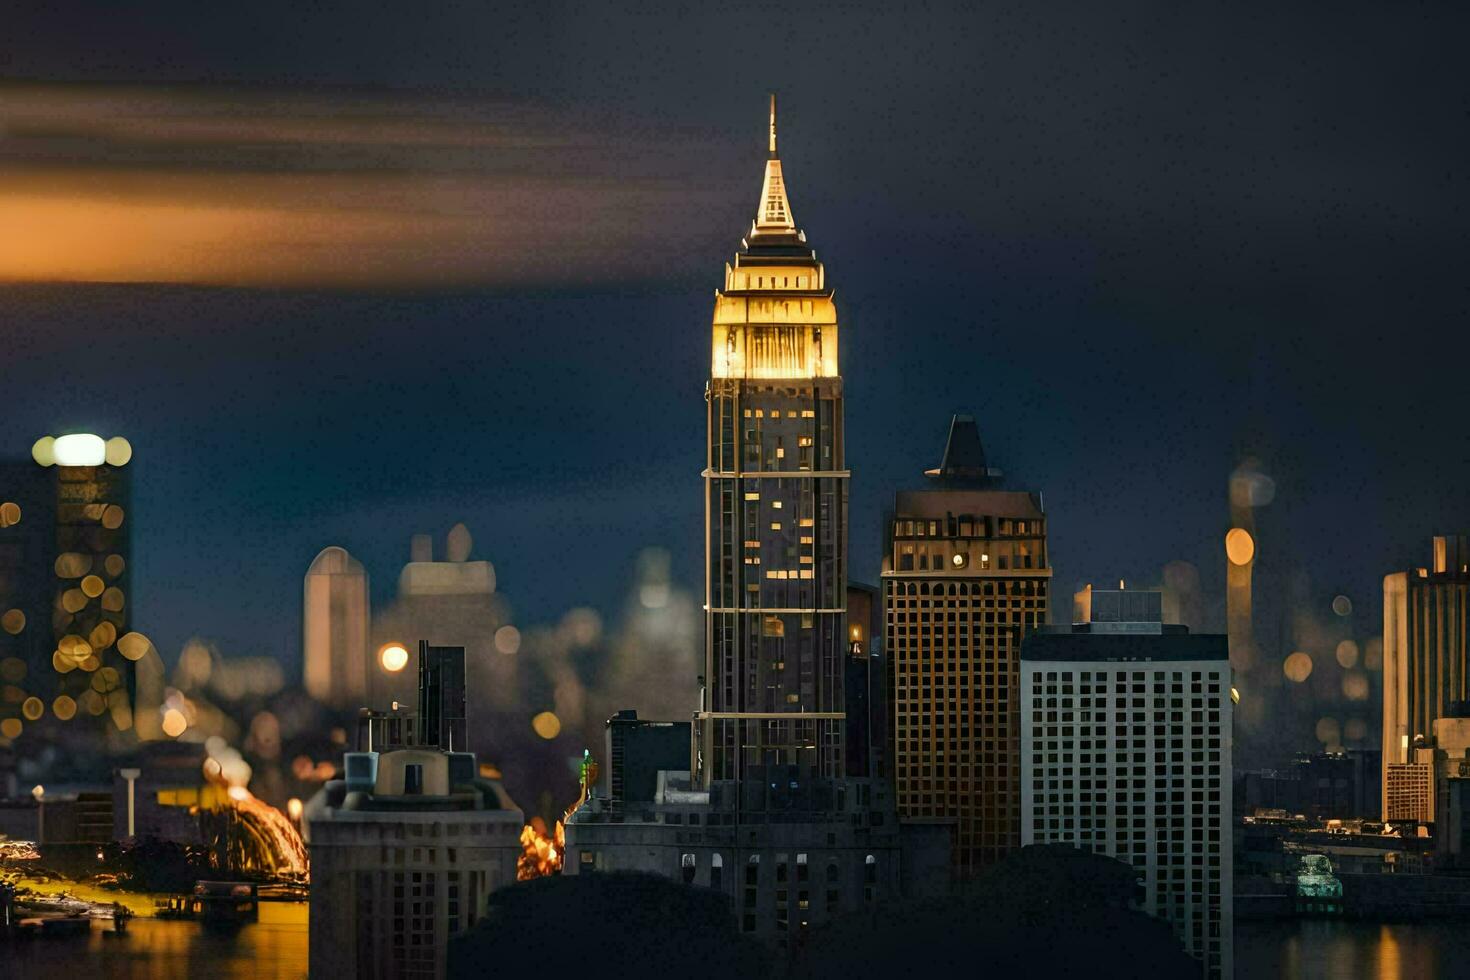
(773, 125)
(774, 216)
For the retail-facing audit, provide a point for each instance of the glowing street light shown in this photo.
(393, 657)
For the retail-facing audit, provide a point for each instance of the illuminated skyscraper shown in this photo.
(775, 514)
(1424, 655)
(64, 587)
(767, 810)
(335, 630)
(965, 575)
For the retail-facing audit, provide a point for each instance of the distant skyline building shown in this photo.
(335, 630)
(775, 514)
(449, 599)
(1424, 655)
(65, 585)
(965, 576)
(1126, 739)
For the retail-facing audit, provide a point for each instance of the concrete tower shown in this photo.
(775, 515)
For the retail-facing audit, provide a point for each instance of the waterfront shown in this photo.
(1317, 949)
(274, 948)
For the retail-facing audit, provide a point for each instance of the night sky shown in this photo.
(345, 272)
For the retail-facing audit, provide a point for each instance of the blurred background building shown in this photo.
(1425, 616)
(66, 657)
(334, 642)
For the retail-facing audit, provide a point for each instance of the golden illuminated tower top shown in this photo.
(774, 216)
(775, 317)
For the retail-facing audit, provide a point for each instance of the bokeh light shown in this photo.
(79, 449)
(32, 708)
(13, 621)
(92, 586)
(1355, 686)
(1342, 605)
(11, 728)
(1297, 666)
(74, 648)
(43, 451)
(507, 639)
(133, 645)
(1240, 548)
(118, 451)
(1328, 732)
(114, 565)
(103, 635)
(9, 514)
(72, 564)
(547, 725)
(1347, 654)
(174, 723)
(64, 708)
(393, 657)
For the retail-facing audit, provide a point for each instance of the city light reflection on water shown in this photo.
(1330, 949)
(274, 947)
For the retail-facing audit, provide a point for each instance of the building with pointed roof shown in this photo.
(768, 810)
(776, 516)
(965, 576)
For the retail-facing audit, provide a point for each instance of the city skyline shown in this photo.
(1080, 612)
(1171, 249)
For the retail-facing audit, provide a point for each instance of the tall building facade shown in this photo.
(1126, 744)
(1424, 653)
(965, 576)
(65, 588)
(766, 808)
(334, 620)
(775, 514)
(406, 847)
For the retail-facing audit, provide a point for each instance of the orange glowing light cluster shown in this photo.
(541, 854)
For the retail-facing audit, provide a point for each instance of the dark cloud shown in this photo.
(1142, 242)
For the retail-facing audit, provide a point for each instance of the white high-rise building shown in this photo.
(1125, 751)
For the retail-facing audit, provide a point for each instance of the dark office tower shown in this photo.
(637, 750)
(775, 515)
(866, 677)
(64, 585)
(441, 697)
(965, 576)
(1425, 666)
